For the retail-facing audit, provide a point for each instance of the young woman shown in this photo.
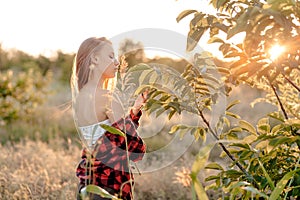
(105, 158)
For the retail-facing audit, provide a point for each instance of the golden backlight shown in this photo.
(276, 51)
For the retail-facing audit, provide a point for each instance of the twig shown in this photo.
(292, 83)
(279, 101)
(248, 176)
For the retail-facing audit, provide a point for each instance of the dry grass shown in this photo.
(32, 170)
(39, 170)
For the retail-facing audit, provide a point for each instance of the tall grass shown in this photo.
(38, 158)
(34, 170)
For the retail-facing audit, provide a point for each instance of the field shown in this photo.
(38, 160)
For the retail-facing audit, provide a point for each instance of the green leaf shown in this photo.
(215, 40)
(154, 106)
(100, 191)
(201, 159)
(281, 185)
(232, 173)
(280, 140)
(142, 88)
(144, 77)
(112, 130)
(160, 111)
(247, 126)
(237, 190)
(177, 127)
(255, 191)
(223, 70)
(139, 67)
(232, 115)
(276, 128)
(263, 126)
(215, 166)
(271, 183)
(184, 13)
(235, 129)
(164, 97)
(198, 132)
(263, 121)
(246, 155)
(243, 146)
(174, 129)
(194, 37)
(220, 3)
(239, 63)
(250, 139)
(277, 115)
(213, 177)
(153, 78)
(171, 114)
(293, 122)
(175, 106)
(235, 102)
(208, 77)
(226, 121)
(239, 184)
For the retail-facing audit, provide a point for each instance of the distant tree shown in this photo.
(63, 65)
(44, 64)
(3, 58)
(133, 51)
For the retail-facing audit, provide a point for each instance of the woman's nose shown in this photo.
(116, 62)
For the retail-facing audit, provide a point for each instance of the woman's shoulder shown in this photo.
(88, 92)
(103, 95)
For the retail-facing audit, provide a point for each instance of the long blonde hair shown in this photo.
(82, 62)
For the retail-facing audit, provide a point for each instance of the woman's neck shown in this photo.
(97, 84)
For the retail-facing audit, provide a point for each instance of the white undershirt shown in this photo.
(92, 132)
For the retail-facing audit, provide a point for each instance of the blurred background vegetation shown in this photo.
(39, 142)
(35, 92)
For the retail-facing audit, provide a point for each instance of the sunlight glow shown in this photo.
(276, 51)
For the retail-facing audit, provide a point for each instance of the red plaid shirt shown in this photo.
(108, 166)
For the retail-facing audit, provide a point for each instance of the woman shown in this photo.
(105, 156)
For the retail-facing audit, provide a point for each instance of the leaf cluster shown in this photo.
(21, 93)
(263, 25)
(270, 153)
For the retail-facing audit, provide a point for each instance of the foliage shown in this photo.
(60, 64)
(265, 156)
(21, 93)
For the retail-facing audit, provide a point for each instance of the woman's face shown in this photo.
(106, 61)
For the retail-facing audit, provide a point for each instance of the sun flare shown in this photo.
(276, 51)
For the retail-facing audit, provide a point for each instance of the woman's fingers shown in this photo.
(145, 95)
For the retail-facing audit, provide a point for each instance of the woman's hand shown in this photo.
(139, 102)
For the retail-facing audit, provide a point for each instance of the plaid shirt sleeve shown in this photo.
(109, 160)
(136, 146)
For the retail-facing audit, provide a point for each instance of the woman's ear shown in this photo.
(94, 59)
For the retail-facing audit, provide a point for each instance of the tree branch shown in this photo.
(248, 176)
(292, 83)
(279, 101)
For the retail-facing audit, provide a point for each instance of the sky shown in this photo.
(45, 26)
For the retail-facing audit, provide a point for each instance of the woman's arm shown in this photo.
(129, 124)
(112, 147)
